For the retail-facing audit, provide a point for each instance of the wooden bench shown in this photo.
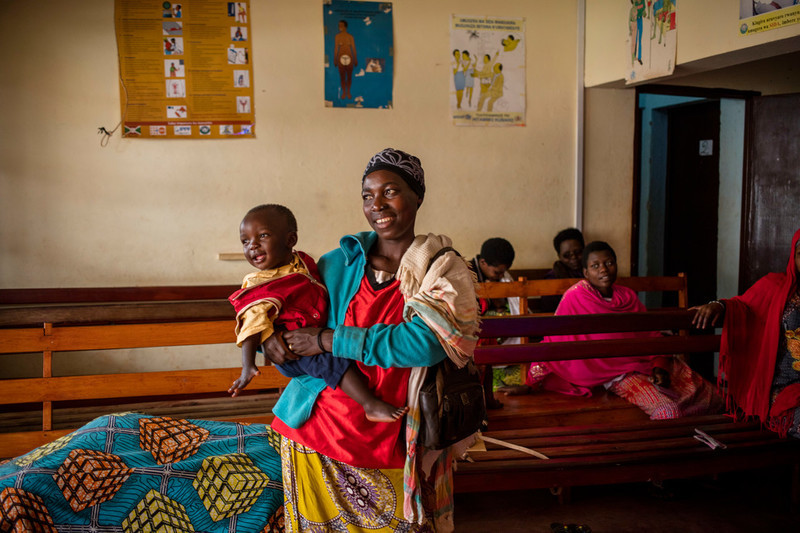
(137, 318)
(603, 405)
(45, 322)
(603, 439)
(595, 440)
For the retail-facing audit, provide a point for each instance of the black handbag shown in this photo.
(451, 401)
(452, 405)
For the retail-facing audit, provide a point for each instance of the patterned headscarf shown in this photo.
(404, 165)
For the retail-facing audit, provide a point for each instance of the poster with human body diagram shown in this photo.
(359, 54)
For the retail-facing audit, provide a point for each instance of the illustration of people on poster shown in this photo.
(757, 16)
(358, 54)
(487, 71)
(652, 39)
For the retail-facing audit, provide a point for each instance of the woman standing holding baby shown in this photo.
(399, 303)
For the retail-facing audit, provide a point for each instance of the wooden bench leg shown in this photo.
(564, 494)
(488, 388)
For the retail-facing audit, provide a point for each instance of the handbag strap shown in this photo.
(440, 253)
(517, 447)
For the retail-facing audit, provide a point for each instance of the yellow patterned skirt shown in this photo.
(321, 494)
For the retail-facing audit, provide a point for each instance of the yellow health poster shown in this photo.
(755, 16)
(185, 69)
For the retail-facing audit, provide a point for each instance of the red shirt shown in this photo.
(338, 427)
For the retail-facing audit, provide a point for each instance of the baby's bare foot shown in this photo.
(379, 411)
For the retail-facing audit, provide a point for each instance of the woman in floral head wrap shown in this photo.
(399, 303)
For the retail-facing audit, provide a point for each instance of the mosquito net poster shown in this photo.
(358, 54)
(487, 71)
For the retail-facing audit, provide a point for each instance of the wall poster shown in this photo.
(359, 54)
(652, 39)
(487, 71)
(756, 16)
(185, 69)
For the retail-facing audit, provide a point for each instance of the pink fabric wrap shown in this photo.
(578, 376)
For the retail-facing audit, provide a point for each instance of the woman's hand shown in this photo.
(276, 350)
(707, 315)
(309, 341)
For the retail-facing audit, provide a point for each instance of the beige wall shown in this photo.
(150, 212)
(610, 121)
(609, 170)
(711, 53)
(144, 212)
(774, 75)
(708, 38)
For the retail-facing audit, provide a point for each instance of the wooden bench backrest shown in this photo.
(528, 273)
(115, 294)
(537, 326)
(50, 339)
(114, 326)
(528, 284)
(527, 288)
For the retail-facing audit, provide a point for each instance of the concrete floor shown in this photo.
(752, 502)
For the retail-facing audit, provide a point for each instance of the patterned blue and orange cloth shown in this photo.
(133, 472)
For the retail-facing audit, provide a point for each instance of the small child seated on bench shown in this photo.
(286, 293)
(492, 264)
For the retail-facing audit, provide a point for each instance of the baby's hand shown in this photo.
(247, 375)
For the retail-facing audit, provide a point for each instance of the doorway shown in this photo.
(692, 198)
(688, 189)
(689, 178)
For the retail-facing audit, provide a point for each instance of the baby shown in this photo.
(285, 294)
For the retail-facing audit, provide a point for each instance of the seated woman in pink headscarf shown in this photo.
(662, 386)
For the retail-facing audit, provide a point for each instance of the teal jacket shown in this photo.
(408, 344)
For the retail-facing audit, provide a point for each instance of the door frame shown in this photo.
(749, 210)
(677, 90)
